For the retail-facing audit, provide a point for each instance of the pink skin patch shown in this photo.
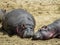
(51, 34)
(19, 32)
(22, 27)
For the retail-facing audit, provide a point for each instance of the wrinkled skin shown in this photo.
(19, 22)
(48, 32)
(2, 13)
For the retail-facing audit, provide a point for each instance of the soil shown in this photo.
(44, 12)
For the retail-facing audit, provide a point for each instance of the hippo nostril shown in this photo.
(28, 33)
(35, 37)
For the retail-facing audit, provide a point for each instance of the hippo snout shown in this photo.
(37, 36)
(28, 33)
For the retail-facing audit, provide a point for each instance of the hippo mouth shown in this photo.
(20, 31)
(24, 32)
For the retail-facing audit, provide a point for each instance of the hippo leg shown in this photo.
(58, 36)
(9, 32)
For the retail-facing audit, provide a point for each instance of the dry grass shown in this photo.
(44, 12)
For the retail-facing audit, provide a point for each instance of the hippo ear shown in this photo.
(4, 11)
(44, 26)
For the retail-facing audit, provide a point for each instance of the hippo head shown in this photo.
(44, 33)
(37, 35)
(25, 31)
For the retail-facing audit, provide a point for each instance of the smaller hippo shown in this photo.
(2, 12)
(48, 32)
(20, 22)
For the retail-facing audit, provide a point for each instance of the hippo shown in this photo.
(2, 13)
(48, 32)
(20, 22)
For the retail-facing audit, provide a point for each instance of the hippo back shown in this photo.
(19, 16)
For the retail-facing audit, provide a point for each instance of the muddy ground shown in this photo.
(44, 12)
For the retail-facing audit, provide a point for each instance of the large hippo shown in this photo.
(20, 22)
(48, 32)
(2, 13)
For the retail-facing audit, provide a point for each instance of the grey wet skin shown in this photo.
(37, 36)
(49, 31)
(28, 33)
(18, 18)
